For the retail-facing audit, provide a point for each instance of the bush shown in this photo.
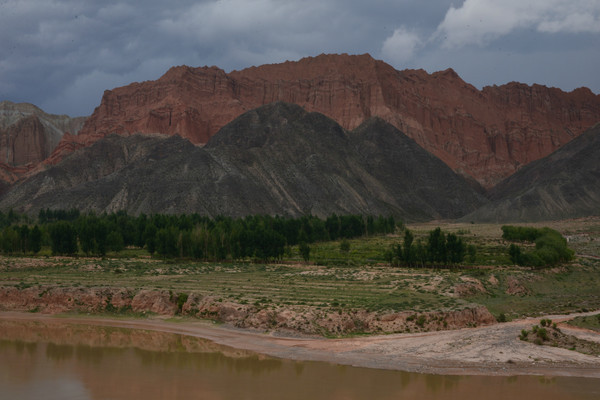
(345, 246)
(542, 334)
(182, 298)
(523, 335)
(550, 247)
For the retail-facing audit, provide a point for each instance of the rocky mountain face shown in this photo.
(565, 184)
(276, 159)
(28, 136)
(484, 134)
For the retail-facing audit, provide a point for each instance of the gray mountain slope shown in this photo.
(565, 184)
(277, 159)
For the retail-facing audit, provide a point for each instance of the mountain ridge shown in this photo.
(276, 159)
(486, 134)
(564, 184)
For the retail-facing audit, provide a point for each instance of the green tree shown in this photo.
(304, 249)
(409, 250)
(24, 238)
(455, 249)
(514, 252)
(114, 241)
(11, 241)
(421, 255)
(63, 237)
(436, 246)
(35, 240)
(150, 232)
(166, 242)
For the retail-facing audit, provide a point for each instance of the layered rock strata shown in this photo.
(485, 134)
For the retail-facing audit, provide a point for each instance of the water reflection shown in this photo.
(59, 360)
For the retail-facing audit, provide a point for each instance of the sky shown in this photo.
(62, 54)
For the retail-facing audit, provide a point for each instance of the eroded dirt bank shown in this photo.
(485, 350)
(295, 319)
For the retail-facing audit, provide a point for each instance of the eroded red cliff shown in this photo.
(28, 136)
(486, 134)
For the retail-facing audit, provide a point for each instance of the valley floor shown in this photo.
(486, 350)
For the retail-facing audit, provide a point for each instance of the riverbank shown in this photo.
(486, 350)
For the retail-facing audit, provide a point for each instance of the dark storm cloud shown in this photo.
(62, 54)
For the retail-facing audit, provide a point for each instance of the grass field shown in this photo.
(359, 279)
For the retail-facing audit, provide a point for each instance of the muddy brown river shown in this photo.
(78, 361)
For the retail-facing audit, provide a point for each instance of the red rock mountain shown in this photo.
(486, 134)
(28, 136)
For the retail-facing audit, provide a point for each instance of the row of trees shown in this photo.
(550, 246)
(192, 236)
(440, 249)
(20, 239)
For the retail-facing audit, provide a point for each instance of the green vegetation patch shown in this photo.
(550, 246)
(591, 322)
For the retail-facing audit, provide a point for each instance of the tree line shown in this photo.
(440, 249)
(260, 237)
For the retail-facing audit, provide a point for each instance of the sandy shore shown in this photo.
(487, 350)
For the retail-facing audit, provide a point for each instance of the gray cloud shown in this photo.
(62, 54)
(482, 21)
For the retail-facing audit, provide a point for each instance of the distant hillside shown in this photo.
(565, 184)
(485, 134)
(28, 136)
(277, 159)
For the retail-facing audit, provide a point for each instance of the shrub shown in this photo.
(181, 300)
(345, 246)
(542, 334)
(546, 322)
(523, 335)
